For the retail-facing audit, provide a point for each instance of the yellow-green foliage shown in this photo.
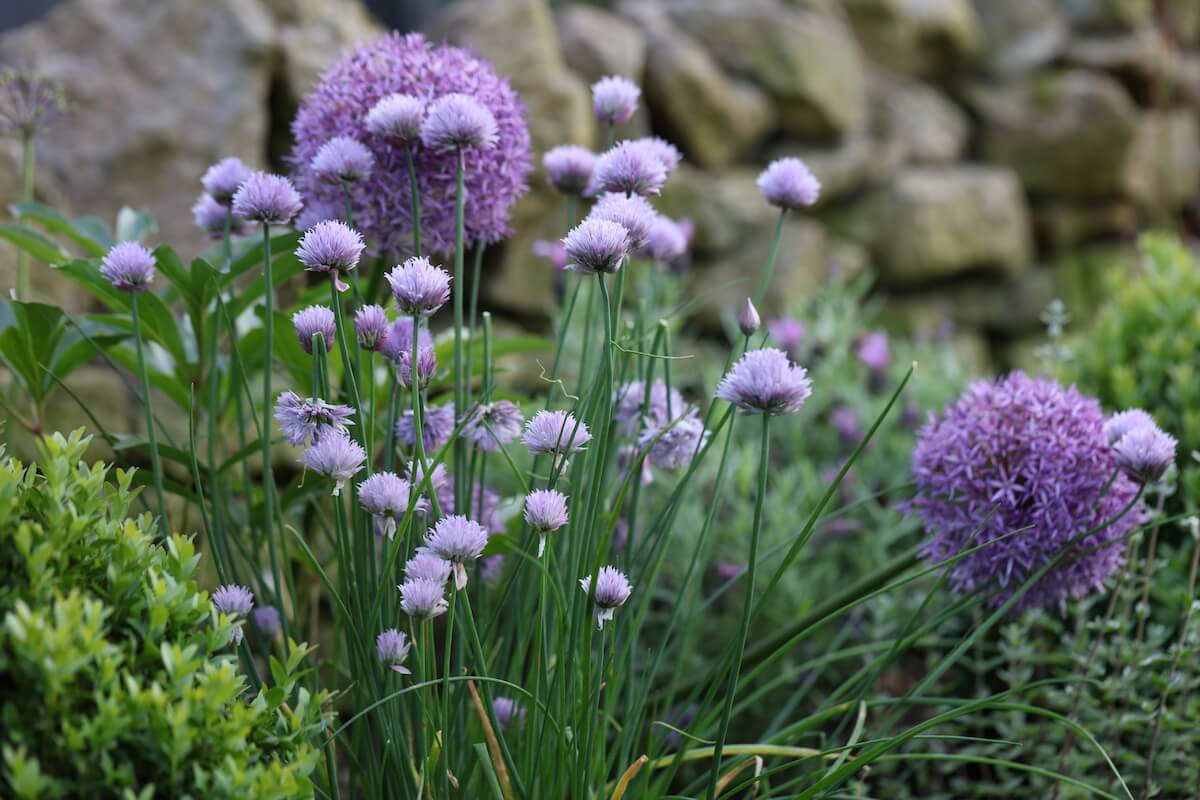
(118, 679)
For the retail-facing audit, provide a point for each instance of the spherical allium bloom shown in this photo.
(1145, 453)
(266, 619)
(665, 243)
(631, 168)
(667, 154)
(1022, 456)
(458, 540)
(426, 367)
(615, 99)
(788, 183)
(748, 320)
(311, 321)
(674, 445)
(385, 496)
(630, 405)
(458, 121)
(553, 251)
(872, 350)
(129, 267)
(427, 565)
(765, 382)
(555, 432)
(304, 420)
(397, 117)
(596, 245)
(211, 217)
(331, 247)
(494, 424)
(436, 426)
(222, 180)
(371, 327)
(344, 160)
(545, 512)
(232, 599)
(569, 168)
(336, 456)
(266, 198)
(612, 590)
(422, 598)
(392, 647)
(507, 711)
(419, 287)
(410, 65)
(399, 339)
(1121, 423)
(788, 333)
(634, 213)
(845, 422)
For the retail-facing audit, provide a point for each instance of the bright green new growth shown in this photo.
(119, 675)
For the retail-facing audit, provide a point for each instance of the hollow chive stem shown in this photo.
(155, 463)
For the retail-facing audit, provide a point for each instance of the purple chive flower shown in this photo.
(266, 619)
(336, 456)
(1121, 423)
(331, 247)
(553, 251)
(507, 711)
(129, 267)
(317, 211)
(209, 216)
(483, 504)
(495, 424)
(545, 512)
(569, 168)
(399, 339)
(311, 321)
(667, 154)
(392, 647)
(748, 320)
(426, 367)
(422, 598)
(596, 245)
(612, 590)
(634, 213)
(1145, 453)
(661, 408)
(232, 599)
(436, 426)
(438, 480)
(765, 382)
(458, 121)
(344, 160)
(427, 565)
(419, 287)
(385, 496)
(266, 198)
(615, 99)
(845, 422)
(555, 432)
(872, 350)
(397, 117)
(372, 327)
(665, 243)
(1022, 455)
(788, 184)
(457, 540)
(674, 446)
(630, 168)
(222, 180)
(304, 420)
(788, 333)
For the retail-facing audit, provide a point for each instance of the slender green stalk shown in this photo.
(747, 607)
(164, 524)
(27, 168)
(764, 283)
(265, 432)
(460, 453)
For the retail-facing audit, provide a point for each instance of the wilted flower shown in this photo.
(436, 426)
(385, 496)
(1121, 423)
(612, 590)
(507, 710)
(615, 99)
(569, 168)
(336, 456)
(222, 180)
(343, 159)
(555, 432)
(494, 424)
(457, 540)
(634, 213)
(630, 168)
(371, 327)
(596, 245)
(311, 321)
(788, 184)
(427, 565)
(393, 646)
(397, 117)
(331, 247)
(748, 319)
(232, 599)
(419, 287)
(211, 217)
(765, 382)
(458, 121)
(304, 420)
(266, 619)
(1145, 453)
(545, 512)
(423, 598)
(266, 198)
(129, 267)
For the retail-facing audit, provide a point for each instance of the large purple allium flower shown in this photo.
(392, 647)
(303, 420)
(458, 121)
(371, 327)
(422, 598)
(129, 267)
(1022, 455)
(631, 168)
(210, 217)
(419, 287)
(343, 160)
(457, 540)
(788, 183)
(615, 99)
(399, 339)
(612, 590)
(436, 426)
(1145, 453)
(596, 245)
(266, 198)
(222, 180)
(397, 117)
(339, 105)
(385, 496)
(555, 432)
(331, 247)
(569, 168)
(310, 321)
(336, 456)
(427, 565)
(494, 424)
(232, 599)
(765, 382)
(545, 512)
(634, 213)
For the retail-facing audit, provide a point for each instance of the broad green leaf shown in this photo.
(167, 384)
(283, 243)
(55, 222)
(34, 243)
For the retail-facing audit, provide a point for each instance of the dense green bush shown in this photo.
(119, 679)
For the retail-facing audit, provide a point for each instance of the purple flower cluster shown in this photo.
(385, 496)
(615, 99)
(211, 217)
(222, 180)
(310, 321)
(129, 267)
(331, 247)
(436, 426)
(596, 246)
(494, 424)
(458, 540)
(632, 167)
(569, 168)
(419, 287)
(371, 327)
(789, 184)
(612, 589)
(392, 647)
(556, 432)
(269, 199)
(335, 456)
(304, 420)
(765, 382)
(545, 512)
(343, 160)
(1143, 451)
(397, 117)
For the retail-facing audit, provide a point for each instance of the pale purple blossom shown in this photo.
(392, 647)
(266, 619)
(222, 180)
(458, 540)
(507, 712)
(385, 496)
(569, 168)
(555, 432)
(266, 198)
(667, 154)
(311, 321)
(211, 217)
(545, 512)
(419, 287)
(304, 420)
(494, 424)
(343, 159)
(1121, 423)
(673, 445)
(336, 456)
(129, 267)
(630, 405)
(789, 184)
(615, 99)
(423, 598)
(427, 565)
(436, 426)
(630, 168)
(665, 243)
(596, 246)
(399, 339)
(612, 589)
(232, 600)
(457, 121)
(1145, 453)
(765, 382)
(397, 117)
(371, 327)
(426, 367)
(331, 247)
(634, 213)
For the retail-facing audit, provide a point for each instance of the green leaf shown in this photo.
(283, 268)
(284, 243)
(81, 351)
(134, 225)
(34, 243)
(166, 384)
(55, 222)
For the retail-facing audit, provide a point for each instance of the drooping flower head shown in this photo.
(266, 619)
(392, 647)
(310, 321)
(507, 712)
(343, 160)
(427, 565)
(335, 456)
(458, 540)
(331, 247)
(129, 267)
(385, 496)
(340, 105)
(1145, 453)
(596, 245)
(765, 382)
(232, 599)
(426, 367)
(494, 424)
(371, 327)
(1027, 457)
(634, 213)
(545, 512)
(788, 183)
(666, 242)
(211, 217)
(423, 598)
(266, 198)
(458, 121)
(399, 339)
(615, 99)
(555, 432)
(748, 320)
(222, 180)
(569, 168)
(1121, 423)
(397, 117)
(612, 590)
(304, 420)
(419, 287)
(631, 168)
(436, 426)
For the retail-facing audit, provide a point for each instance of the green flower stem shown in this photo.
(747, 606)
(155, 464)
(389, 434)
(344, 333)
(764, 283)
(265, 434)
(449, 649)
(417, 406)
(460, 452)
(27, 168)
